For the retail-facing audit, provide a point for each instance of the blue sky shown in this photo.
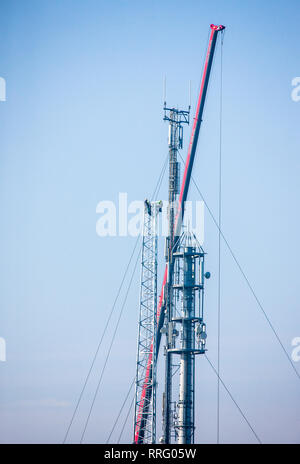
(83, 122)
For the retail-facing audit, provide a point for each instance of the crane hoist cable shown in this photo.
(219, 238)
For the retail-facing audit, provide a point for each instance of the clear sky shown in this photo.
(82, 121)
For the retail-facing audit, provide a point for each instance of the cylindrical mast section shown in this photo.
(189, 329)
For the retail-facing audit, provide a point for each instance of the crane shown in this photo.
(164, 316)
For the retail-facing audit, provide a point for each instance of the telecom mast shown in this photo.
(180, 304)
(176, 120)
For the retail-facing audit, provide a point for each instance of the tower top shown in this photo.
(217, 28)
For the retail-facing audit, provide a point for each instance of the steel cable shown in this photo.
(120, 410)
(125, 421)
(219, 242)
(231, 396)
